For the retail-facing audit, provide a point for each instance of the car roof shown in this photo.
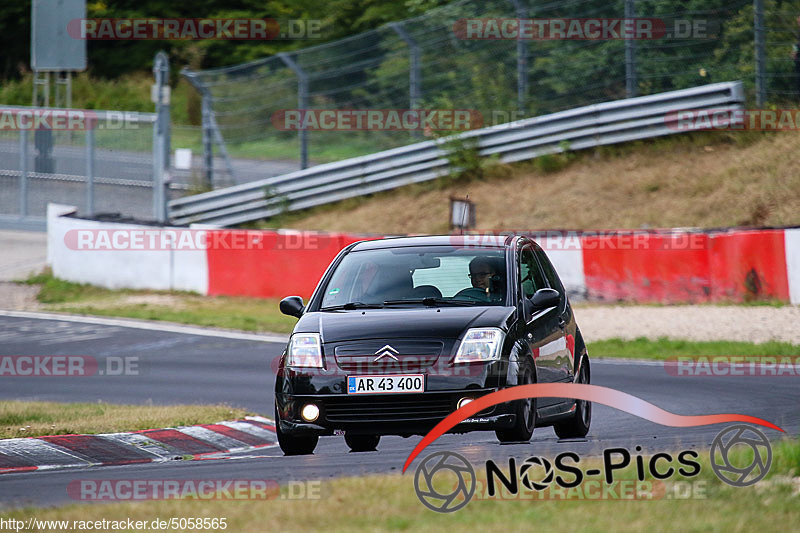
(480, 241)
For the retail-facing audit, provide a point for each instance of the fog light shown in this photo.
(310, 412)
(464, 401)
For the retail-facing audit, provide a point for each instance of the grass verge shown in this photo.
(664, 348)
(34, 419)
(389, 503)
(231, 312)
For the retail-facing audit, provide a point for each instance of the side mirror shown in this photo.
(544, 298)
(292, 306)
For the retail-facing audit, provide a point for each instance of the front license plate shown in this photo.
(383, 384)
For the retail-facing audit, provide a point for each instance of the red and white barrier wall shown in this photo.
(671, 266)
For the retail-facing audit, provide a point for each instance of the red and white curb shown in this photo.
(146, 446)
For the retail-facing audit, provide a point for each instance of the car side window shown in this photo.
(530, 276)
(552, 278)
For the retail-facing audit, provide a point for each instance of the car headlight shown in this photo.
(305, 350)
(480, 344)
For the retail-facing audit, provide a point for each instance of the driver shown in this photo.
(481, 272)
(486, 278)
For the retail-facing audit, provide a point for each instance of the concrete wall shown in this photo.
(160, 269)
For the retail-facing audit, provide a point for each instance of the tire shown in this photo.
(362, 443)
(294, 444)
(577, 426)
(525, 410)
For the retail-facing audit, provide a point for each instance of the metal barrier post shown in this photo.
(302, 103)
(631, 83)
(90, 170)
(23, 172)
(761, 62)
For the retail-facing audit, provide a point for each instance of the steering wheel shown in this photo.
(472, 293)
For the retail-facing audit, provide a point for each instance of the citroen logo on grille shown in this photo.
(386, 351)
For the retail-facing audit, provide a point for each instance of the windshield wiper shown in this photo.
(430, 301)
(352, 305)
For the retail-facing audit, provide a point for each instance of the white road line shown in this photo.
(625, 362)
(146, 325)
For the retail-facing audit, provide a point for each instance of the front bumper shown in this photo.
(386, 414)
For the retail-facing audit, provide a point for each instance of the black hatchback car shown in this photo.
(401, 332)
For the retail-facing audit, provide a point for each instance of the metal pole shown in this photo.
(522, 62)
(761, 79)
(208, 143)
(23, 172)
(90, 170)
(414, 72)
(302, 103)
(161, 132)
(161, 73)
(631, 83)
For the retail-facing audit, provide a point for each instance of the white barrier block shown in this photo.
(792, 244)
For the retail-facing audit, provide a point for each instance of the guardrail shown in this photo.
(584, 127)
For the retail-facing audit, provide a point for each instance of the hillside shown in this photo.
(704, 180)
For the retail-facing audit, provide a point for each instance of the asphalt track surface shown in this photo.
(179, 367)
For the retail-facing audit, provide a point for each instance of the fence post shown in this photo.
(414, 72)
(522, 62)
(208, 143)
(302, 103)
(761, 80)
(161, 135)
(23, 172)
(90, 169)
(631, 83)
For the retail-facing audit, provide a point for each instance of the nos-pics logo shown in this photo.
(445, 481)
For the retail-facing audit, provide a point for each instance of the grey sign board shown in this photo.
(53, 47)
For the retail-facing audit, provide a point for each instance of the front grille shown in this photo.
(394, 408)
(406, 355)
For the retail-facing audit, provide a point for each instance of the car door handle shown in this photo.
(562, 323)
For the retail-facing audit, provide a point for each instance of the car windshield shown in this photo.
(424, 275)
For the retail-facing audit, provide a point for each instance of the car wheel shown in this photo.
(525, 410)
(362, 443)
(294, 444)
(577, 426)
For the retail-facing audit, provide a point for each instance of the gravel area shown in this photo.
(15, 297)
(691, 322)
